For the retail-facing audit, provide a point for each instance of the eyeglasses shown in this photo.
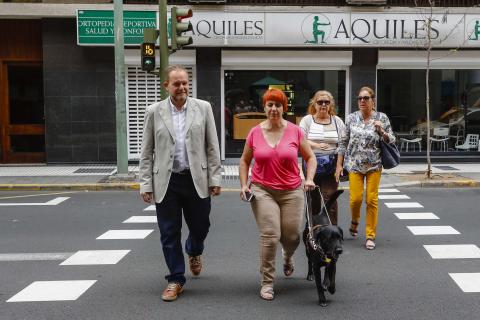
(322, 102)
(364, 98)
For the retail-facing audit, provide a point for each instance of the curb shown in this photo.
(133, 186)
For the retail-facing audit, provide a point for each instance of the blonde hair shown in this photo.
(371, 92)
(332, 110)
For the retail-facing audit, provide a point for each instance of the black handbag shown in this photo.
(389, 153)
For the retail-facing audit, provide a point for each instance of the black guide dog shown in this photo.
(328, 240)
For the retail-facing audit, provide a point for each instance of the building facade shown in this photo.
(57, 72)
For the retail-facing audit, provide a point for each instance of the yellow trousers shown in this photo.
(356, 198)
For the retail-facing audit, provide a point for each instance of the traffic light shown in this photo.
(178, 27)
(148, 56)
(148, 49)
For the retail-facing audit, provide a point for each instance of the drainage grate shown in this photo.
(93, 170)
(445, 168)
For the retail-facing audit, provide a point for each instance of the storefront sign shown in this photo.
(367, 29)
(291, 29)
(96, 27)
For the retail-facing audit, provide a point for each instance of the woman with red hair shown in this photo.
(278, 202)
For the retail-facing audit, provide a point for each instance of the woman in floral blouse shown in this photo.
(360, 152)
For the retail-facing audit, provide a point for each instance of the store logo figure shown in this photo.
(317, 30)
(476, 31)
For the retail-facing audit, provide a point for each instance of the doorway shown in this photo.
(22, 116)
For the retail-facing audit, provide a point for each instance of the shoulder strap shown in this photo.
(336, 128)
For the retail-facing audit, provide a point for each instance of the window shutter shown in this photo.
(143, 89)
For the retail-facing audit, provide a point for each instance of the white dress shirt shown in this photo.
(180, 160)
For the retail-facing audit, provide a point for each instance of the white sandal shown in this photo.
(370, 244)
(266, 293)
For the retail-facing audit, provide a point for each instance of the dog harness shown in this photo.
(311, 241)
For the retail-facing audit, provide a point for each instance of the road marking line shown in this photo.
(95, 257)
(52, 202)
(53, 291)
(432, 230)
(35, 256)
(141, 219)
(56, 201)
(39, 195)
(457, 251)
(125, 234)
(150, 208)
(416, 216)
(403, 205)
(393, 196)
(468, 282)
(388, 190)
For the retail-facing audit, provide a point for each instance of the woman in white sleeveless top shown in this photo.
(323, 129)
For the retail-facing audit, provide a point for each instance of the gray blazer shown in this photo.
(158, 148)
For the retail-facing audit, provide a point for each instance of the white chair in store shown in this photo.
(459, 135)
(471, 142)
(440, 138)
(415, 141)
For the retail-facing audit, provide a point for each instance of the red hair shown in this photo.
(276, 95)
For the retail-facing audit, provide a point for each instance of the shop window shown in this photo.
(243, 98)
(454, 107)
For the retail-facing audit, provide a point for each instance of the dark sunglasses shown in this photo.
(365, 98)
(322, 102)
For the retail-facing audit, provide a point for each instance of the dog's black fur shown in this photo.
(330, 239)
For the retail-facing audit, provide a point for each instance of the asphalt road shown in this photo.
(398, 280)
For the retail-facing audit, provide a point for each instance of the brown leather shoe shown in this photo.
(195, 263)
(172, 291)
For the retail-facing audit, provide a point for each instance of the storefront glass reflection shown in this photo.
(244, 89)
(454, 108)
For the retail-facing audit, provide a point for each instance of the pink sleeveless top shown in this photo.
(276, 168)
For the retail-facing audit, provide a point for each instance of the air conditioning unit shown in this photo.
(367, 2)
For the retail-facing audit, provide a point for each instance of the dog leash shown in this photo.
(311, 241)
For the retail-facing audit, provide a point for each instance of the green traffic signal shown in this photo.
(148, 56)
(179, 27)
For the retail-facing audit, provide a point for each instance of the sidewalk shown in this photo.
(103, 177)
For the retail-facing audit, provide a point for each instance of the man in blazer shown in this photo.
(180, 169)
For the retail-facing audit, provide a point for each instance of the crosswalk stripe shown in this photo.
(150, 208)
(416, 216)
(468, 282)
(453, 251)
(125, 234)
(141, 219)
(387, 190)
(403, 205)
(432, 230)
(53, 291)
(392, 196)
(95, 257)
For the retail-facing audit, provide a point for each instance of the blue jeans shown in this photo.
(182, 196)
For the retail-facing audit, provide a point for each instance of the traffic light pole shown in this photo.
(121, 119)
(163, 41)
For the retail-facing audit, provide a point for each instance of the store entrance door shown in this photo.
(22, 119)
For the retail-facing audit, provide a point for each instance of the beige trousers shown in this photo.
(279, 217)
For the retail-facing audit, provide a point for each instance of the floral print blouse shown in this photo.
(360, 144)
